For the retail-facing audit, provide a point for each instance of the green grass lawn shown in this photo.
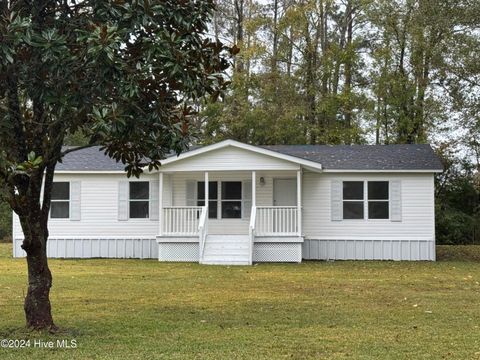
(143, 309)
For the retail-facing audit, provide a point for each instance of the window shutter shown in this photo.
(246, 198)
(396, 200)
(154, 199)
(191, 193)
(75, 202)
(336, 200)
(123, 200)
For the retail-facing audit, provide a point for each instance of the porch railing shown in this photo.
(276, 220)
(181, 220)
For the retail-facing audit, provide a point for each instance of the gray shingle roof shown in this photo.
(366, 157)
(89, 159)
(337, 157)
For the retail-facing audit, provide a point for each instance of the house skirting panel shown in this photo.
(378, 249)
(95, 247)
(262, 252)
(178, 251)
(277, 252)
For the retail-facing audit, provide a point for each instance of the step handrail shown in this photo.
(202, 231)
(251, 233)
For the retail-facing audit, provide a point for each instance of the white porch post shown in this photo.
(299, 201)
(207, 197)
(160, 204)
(254, 188)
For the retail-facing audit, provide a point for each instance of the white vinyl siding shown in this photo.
(409, 234)
(416, 212)
(230, 159)
(99, 198)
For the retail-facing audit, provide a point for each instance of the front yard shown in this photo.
(133, 309)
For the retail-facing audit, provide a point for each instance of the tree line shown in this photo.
(359, 72)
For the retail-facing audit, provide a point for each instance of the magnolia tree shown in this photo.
(122, 73)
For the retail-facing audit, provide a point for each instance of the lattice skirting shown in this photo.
(368, 249)
(277, 252)
(178, 251)
(262, 252)
(134, 248)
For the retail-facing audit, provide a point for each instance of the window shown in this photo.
(378, 200)
(224, 199)
(231, 200)
(139, 199)
(376, 204)
(212, 197)
(60, 204)
(353, 200)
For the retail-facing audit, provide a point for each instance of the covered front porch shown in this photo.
(250, 216)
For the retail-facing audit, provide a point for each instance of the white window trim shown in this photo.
(69, 201)
(366, 201)
(147, 200)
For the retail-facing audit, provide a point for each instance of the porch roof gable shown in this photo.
(284, 158)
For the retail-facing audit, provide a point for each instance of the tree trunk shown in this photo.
(37, 302)
(239, 66)
(275, 38)
(33, 215)
(348, 68)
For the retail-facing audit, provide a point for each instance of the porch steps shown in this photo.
(226, 250)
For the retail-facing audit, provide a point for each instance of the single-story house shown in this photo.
(280, 203)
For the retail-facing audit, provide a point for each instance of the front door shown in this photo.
(285, 192)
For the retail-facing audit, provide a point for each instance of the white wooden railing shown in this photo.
(181, 220)
(202, 231)
(276, 220)
(251, 233)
